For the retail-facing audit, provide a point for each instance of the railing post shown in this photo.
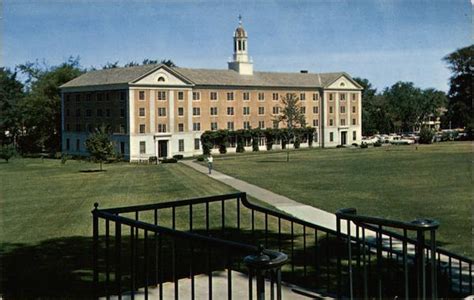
(95, 248)
(339, 242)
(259, 264)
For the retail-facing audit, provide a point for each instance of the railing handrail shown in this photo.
(173, 232)
(419, 224)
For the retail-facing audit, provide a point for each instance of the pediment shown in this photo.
(343, 82)
(161, 76)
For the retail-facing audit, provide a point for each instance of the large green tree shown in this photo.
(11, 95)
(42, 106)
(461, 64)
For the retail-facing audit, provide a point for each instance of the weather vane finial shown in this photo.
(240, 19)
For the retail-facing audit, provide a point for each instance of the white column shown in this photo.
(337, 138)
(190, 111)
(131, 112)
(152, 111)
(171, 110)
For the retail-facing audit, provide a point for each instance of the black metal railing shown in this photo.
(180, 239)
(404, 266)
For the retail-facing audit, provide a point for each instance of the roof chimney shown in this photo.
(304, 71)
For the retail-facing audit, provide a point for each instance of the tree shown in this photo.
(374, 110)
(404, 102)
(291, 115)
(99, 145)
(460, 95)
(11, 95)
(7, 152)
(41, 108)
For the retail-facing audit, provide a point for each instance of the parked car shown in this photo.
(369, 140)
(398, 140)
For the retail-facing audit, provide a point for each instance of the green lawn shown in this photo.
(397, 182)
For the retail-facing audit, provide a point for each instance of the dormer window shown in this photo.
(161, 79)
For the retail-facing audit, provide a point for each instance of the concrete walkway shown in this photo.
(292, 207)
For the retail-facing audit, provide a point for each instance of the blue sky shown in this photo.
(383, 41)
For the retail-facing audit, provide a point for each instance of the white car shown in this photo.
(398, 140)
(370, 140)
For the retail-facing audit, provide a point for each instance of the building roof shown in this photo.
(207, 77)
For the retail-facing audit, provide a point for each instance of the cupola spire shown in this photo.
(240, 59)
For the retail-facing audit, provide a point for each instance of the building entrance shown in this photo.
(343, 137)
(163, 148)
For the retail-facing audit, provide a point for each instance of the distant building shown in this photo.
(156, 110)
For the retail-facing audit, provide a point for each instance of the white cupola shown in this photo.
(240, 60)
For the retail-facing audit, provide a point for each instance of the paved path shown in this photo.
(292, 207)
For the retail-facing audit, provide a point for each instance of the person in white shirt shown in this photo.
(209, 163)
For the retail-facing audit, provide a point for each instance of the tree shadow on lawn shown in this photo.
(92, 171)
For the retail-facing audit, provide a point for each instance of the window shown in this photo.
(141, 112)
(261, 124)
(142, 147)
(196, 111)
(331, 97)
(331, 122)
(197, 126)
(353, 109)
(180, 127)
(142, 128)
(180, 111)
(67, 112)
(78, 98)
(180, 96)
(161, 79)
(68, 127)
(122, 128)
(122, 147)
(78, 112)
(354, 135)
(99, 97)
(246, 125)
(315, 123)
(78, 145)
(88, 97)
(68, 98)
(230, 96)
(161, 111)
(303, 109)
(246, 96)
(354, 97)
(230, 111)
(331, 137)
(197, 143)
(122, 96)
(276, 110)
(88, 112)
(122, 113)
(315, 137)
(315, 109)
(343, 122)
(213, 95)
(141, 96)
(161, 127)
(107, 113)
(107, 96)
(275, 124)
(230, 125)
(99, 112)
(161, 95)
(68, 146)
(315, 96)
(330, 109)
(261, 96)
(353, 121)
(342, 97)
(213, 125)
(213, 111)
(302, 96)
(246, 110)
(196, 96)
(343, 109)
(261, 110)
(78, 127)
(275, 96)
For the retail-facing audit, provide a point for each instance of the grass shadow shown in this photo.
(92, 171)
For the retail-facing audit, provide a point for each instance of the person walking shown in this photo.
(209, 163)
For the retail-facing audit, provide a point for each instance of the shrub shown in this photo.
(426, 136)
(178, 156)
(339, 146)
(169, 161)
(200, 158)
(64, 158)
(355, 144)
(222, 149)
(364, 145)
(7, 152)
(153, 160)
(377, 144)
